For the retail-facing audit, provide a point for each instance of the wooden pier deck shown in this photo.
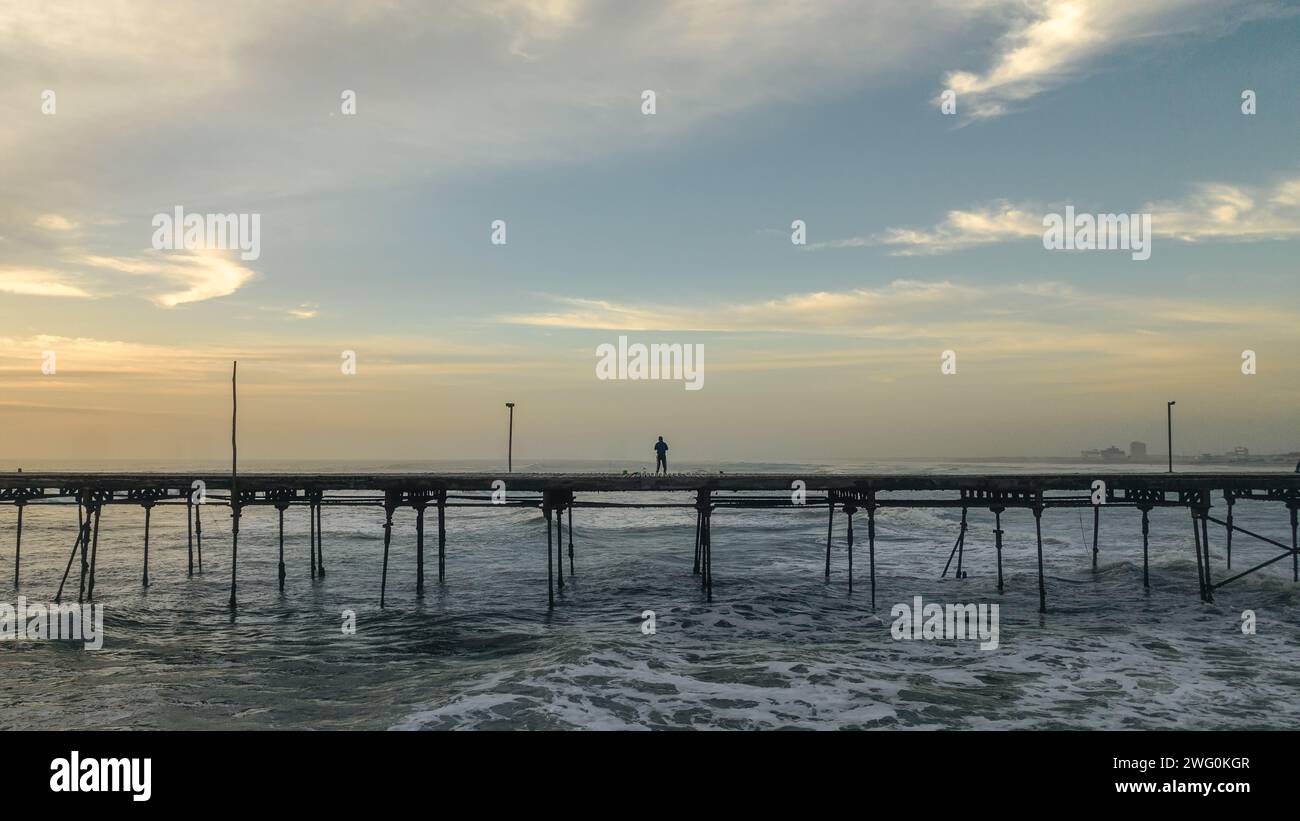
(556, 494)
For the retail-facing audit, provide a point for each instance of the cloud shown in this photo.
(1234, 212)
(54, 222)
(39, 282)
(1010, 316)
(1051, 42)
(307, 310)
(996, 222)
(200, 275)
(1213, 211)
(259, 102)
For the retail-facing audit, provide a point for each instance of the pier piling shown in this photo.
(830, 527)
(198, 534)
(1200, 564)
(85, 547)
(1096, 526)
(699, 522)
(550, 564)
(18, 541)
(320, 543)
(1295, 546)
(442, 537)
(390, 503)
(961, 546)
(849, 510)
(81, 534)
(311, 536)
(1146, 532)
(1227, 498)
(189, 535)
(419, 550)
(871, 548)
(997, 539)
(279, 509)
(148, 511)
(559, 547)
(704, 504)
(94, 551)
(1205, 540)
(1038, 530)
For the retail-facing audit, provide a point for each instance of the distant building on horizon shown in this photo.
(1137, 450)
(1110, 454)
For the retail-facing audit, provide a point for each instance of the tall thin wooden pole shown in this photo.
(234, 480)
(510, 441)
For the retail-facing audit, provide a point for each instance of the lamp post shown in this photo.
(1169, 411)
(510, 438)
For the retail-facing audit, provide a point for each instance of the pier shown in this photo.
(852, 497)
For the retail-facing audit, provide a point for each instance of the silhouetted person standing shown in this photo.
(661, 456)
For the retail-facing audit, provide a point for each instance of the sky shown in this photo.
(378, 142)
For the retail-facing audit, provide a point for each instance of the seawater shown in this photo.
(777, 648)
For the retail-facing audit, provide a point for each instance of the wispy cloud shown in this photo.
(199, 276)
(54, 222)
(1051, 42)
(1022, 314)
(39, 282)
(1213, 211)
(1220, 211)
